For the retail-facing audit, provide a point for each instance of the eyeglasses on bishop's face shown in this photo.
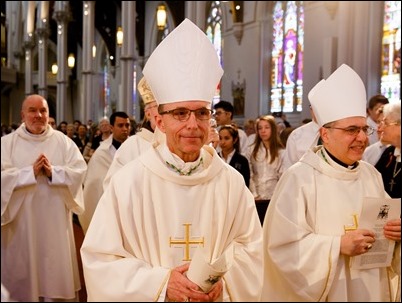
(183, 114)
(355, 130)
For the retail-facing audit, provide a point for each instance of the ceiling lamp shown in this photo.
(119, 36)
(71, 61)
(161, 16)
(55, 69)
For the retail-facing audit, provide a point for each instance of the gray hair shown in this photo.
(392, 111)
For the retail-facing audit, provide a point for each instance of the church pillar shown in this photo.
(42, 35)
(88, 30)
(360, 33)
(62, 16)
(29, 44)
(14, 22)
(195, 11)
(127, 100)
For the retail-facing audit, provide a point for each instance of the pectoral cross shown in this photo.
(186, 241)
(392, 183)
(353, 226)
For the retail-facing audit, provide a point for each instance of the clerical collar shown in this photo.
(353, 166)
(397, 154)
(116, 143)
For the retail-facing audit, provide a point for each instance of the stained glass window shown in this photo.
(287, 57)
(391, 52)
(214, 33)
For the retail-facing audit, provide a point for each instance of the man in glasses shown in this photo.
(311, 229)
(178, 201)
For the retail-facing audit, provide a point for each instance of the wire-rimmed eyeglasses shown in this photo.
(355, 130)
(183, 114)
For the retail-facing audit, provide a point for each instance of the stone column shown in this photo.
(14, 34)
(29, 43)
(127, 99)
(88, 29)
(62, 16)
(42, 34)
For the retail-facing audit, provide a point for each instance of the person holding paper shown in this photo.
(311, 229)
(176, 199)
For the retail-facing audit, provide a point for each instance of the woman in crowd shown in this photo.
(230, 146)
(265, 157)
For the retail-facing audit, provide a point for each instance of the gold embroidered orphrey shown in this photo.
(353, 226)
(186, 241)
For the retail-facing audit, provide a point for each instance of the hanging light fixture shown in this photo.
(119, 36)
(71, 61)
(161, 16)
(55, 69)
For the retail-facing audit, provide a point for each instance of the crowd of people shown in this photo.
(190, 206)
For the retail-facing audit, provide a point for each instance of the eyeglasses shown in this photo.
(218, 113)
(385, 123)
(355, 130)
(183, 114)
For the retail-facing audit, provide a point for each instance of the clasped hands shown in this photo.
(181, 289)
(42, 166)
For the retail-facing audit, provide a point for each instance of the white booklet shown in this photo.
(206, 274)
(375, 213)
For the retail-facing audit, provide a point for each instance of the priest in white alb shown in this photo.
(312, 230)
(42, 171)
(177, 198)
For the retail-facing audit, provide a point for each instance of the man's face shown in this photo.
(346, 147)
(104, 126)
(121, 129)
(63, 127)
(184, 138)
(82, 131)
(52, 122)
(374, 113)
(35, 114)
(222, 117)
(151, 111)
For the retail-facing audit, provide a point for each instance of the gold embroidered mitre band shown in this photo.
(145, 91)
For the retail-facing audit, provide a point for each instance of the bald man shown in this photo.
(42, 171)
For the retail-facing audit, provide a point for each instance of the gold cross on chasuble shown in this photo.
(186, 241)
(353, 226)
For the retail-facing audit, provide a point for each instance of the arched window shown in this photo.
(391, 52)
(287, 57)
(214, 33)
